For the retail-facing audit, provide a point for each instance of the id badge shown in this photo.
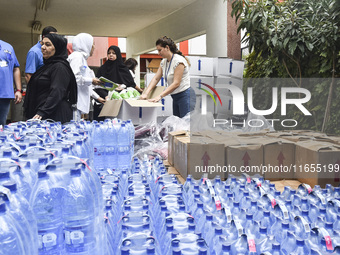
(3, 63)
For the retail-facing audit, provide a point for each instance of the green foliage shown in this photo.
(295, 39)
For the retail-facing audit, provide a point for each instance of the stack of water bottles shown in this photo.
(51, 194)
(75, 189)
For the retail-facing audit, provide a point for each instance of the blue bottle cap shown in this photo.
(7, 153)
(175, 243)
(285, 224)
(151, 250)
(192, 226)
(201, 242)
(249, 216)
(75, 172)
(11, 185)
(174, 234)
(51, 167)
(124, 251)
(42, 174)
(300, 242)
(276, 246)
(2, 207)
(218, 231)
(43, 160)
(4, 174)
(263, 230)
(169, 227)
(203, 251)
(226, 246)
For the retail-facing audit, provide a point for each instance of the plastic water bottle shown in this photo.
(21, 205)
(10, 240)
(47, 207)
(79, 216)
(111, 146)
(98, 147)
(123, 139)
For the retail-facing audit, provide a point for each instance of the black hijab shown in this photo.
(60, 56)
(116, 70)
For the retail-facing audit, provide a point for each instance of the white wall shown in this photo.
(201, 17)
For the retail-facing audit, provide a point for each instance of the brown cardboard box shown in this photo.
(171, 137)
(313, 156)
(279, 158)
(244, 157)
(197, 155)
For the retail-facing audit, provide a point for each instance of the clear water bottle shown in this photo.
(20, 204)
(79, 216)
(124, 156)
(111, 146)
(10, 240)
(47, 207)
(98, 147)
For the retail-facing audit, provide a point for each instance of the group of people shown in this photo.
(60, 86)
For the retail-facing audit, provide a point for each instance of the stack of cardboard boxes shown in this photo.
(309, 157)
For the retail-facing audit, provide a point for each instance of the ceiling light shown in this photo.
(42, 5)
(36, 26)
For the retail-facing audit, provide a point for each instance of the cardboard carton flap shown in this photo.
(111, 108)
(156, 92)
(142, 103)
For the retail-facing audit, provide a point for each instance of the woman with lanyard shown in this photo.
(175, 68)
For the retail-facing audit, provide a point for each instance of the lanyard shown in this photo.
(167, 71)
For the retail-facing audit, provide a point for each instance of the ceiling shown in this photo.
(99, 18)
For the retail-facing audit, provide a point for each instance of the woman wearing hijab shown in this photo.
(83, 47)
(52, 89)
(115, 70)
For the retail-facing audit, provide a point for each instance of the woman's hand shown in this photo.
(143, 97)
(96, 81)
(101, 100)
(156, 99)
(37, 117)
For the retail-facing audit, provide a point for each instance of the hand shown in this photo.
(142, 97)
(18, 97)
(37, 117)
(120, 88)
(96, 81)
(101, 100)
(156, 99)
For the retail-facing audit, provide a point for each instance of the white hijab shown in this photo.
(83, 42)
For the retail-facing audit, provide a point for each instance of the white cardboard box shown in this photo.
(201, 66)
(196, 82)
(166, 109)
(221, 82)
(222, 66)
(148, 77)
(236, 69)
(139, 111)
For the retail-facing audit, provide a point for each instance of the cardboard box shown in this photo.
(201, 65)
(148, 77)
(279, 158)
(236, 69)
(139, 111)
(317, 163)
(171, 149)
(242, 157)
(221, 66)
(196, 82)
(197, 155)
(166, 109)
(221, 82)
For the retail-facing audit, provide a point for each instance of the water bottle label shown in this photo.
(262, 191)
(304, 223)
(204, 178)
(228, 214)
(218, 203)
(321, 197)
(284, 211)
(251, 244)
(309, 189)
(258, 182)
(75, 238)
(272, 200)
(209, 184)
(328, 239)
(238, 227)
(109, 171)
(48, 240)
(248, 180)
